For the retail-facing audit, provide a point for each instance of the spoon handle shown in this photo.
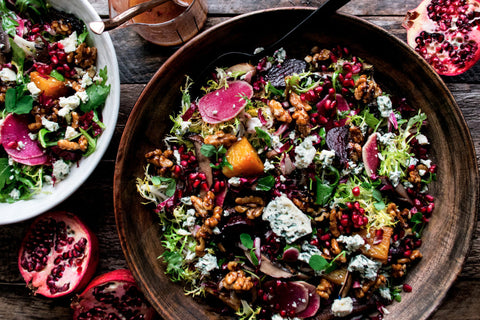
(100, 26)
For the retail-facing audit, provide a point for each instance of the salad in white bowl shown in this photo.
(59, 100)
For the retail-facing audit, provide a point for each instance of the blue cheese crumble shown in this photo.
(305, 152)
(367, 268)
(384, 106)
(206, 264)
(342, 307)
(286, 220)
(352, 243)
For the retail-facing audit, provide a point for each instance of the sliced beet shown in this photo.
(370, 156)
(276, 74)
(17, 143)
(313, 301)
(226, 103)
(290, 296)
(336, 139)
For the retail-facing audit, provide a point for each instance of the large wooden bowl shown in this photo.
(447, 238)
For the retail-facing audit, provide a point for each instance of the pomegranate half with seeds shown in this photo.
(446, 34)
(59, 254)
(113, 295)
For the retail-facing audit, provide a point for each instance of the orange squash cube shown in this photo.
(50, 86)
(244, 160)
(380, 250)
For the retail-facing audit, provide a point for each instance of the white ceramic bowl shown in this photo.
(50, 197)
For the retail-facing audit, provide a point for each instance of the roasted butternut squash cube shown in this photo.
(50, 86)
(244, 160)
(377, 251)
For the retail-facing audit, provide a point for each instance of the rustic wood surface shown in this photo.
(138, 61)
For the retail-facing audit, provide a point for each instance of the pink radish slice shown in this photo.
(35, 161)
(313, 301)
(16, 141)
(370, 155)
(226, 103)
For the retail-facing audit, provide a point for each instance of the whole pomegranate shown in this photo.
(113, 295)
(59, 254)
(446, 33)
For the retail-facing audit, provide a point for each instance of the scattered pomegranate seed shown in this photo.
(356, 191)
(407, 287)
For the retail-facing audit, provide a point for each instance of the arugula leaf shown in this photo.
(9, 25)
(37, 6)
(265, 183)
(92, 143)
(370, 119)
(97, 93)
(18, 59)
(246, 240)
(208, 150)
(57, 75)
(17, 102)
(318, 263)
(83, 36)
(4, 172)
(264, 135)
(170, 182)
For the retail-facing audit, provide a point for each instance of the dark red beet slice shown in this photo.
(291, 297)
(226, 103)
(313, 301)
(370, 155)
(337, 141)
(16, 141)
(276, 74)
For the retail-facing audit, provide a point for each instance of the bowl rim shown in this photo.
(47, 202)
(134, 267)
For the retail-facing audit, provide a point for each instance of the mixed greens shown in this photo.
(51, 96)
(292, 188)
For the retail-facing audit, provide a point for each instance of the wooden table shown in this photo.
(138, 61)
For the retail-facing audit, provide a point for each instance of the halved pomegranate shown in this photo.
(446, 33)
(113, 295)
(59, 254)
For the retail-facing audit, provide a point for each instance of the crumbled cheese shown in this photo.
(69, 102)
(7, 74)
(187, 201)
(234, 181)
(384, 106)
(268, 166)
(50, 125)
(308, 250)
(422, 139)
(27, 46)
(86, 81)
(176, 155)
(342, 307)
(31, 135)
(385, 293)
(365, 267)
(282, 178)
(70, 43)
(386, 139)
(279, 317)
(184, 125)
(421, 172)
(326, 157)
(411, 161)
(352, 243)
(190, 220)
(395, 177)
(428, 163)
(15, 194)
(206, 264)
(60, 170)
(305, 152)
(70, 132)
(83, 96)
(214, 112)
(34, 91)
(286, 219)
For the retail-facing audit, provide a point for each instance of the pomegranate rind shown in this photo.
(226, 103)
(417, 20)
(18, 144)
(119, 281)
(36, 281)
(370, 156)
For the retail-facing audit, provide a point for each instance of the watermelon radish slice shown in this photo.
(290, 296)
(370, 156)
(18, 144)
(313, 301)
(225, 104)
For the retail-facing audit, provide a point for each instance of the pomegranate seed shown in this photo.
(407, 287)
(183, 163)
(356, 191)
(429, 198)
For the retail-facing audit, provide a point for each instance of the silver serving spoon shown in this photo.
(98, 27)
